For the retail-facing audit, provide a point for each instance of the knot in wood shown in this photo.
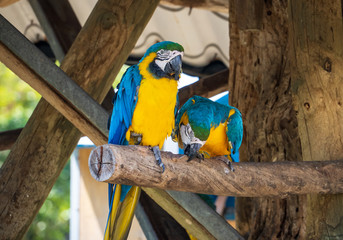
(327, 65)
(307, 105)
(108, 19)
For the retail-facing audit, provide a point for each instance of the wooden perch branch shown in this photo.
(135, 165)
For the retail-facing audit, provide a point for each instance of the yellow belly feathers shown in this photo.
(154, 113)
(216, 144)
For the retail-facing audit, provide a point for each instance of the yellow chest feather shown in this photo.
(154, 113)
(216, 144)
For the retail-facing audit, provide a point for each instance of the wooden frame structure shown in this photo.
(26, 62)
(47, 141)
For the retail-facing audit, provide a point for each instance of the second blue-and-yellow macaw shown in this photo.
(144, 111)
(204, 128)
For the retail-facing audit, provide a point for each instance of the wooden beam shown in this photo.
(55, 17)
(206, 87)
(53, 96)
(216, 6)
(135, 165)
(31, 65)
(59, 23)
(194, 214)
(48, 139)
(8, 138)
(146, 226)
(163, 225)
(200, 211)
(4, 3)
(179, 213)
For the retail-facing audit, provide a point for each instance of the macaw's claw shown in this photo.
(197, 155)
(230, 166)
(135, 138)
(228, 162)
(157, 154)
(192, 151)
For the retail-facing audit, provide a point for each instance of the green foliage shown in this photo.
(52, 221)
(17, 102)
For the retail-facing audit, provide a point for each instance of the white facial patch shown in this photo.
(187, 135)
(164, 56)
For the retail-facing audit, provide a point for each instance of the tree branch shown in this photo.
(135, 165)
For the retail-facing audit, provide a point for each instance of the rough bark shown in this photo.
(260, 86)
(135, 165)
(316, 36)
(48, 139)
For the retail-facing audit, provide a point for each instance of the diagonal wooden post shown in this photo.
(48, 139)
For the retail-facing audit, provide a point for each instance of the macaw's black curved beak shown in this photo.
(174, 67)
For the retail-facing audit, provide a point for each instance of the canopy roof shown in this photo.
(203, 34)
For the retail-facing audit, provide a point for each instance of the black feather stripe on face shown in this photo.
(157, 72)
(167, 63)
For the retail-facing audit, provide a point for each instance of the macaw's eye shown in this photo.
(161, 53)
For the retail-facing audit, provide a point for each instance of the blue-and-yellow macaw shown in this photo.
(144, 111)
(204, 128)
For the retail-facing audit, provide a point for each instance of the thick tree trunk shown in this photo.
(316, 37)
(285, 77)
(260, 86)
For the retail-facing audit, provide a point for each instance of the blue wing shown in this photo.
(125, 101)
(124, 104)
(234, 130)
